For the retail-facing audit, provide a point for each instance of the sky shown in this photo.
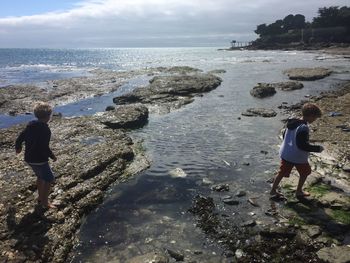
(142, 23)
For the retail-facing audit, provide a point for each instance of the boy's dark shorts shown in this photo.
(304, 169)
(43, 172)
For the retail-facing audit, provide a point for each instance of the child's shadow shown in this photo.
(30, 232)
(308, 210)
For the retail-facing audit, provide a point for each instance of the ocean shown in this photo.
(208, 139)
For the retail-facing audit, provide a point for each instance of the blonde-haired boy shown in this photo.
(36, 137)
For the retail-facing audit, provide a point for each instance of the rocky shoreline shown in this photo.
(94, 152)
(18, 99)
(314, 229)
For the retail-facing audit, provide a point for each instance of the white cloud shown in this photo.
(108, 21)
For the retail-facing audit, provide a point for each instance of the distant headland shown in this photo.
(329, 29)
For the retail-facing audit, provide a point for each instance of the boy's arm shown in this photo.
(47, 142)
(302, 140)
(20, 139)
(51, 155)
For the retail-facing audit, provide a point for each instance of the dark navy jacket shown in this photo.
(36, 137)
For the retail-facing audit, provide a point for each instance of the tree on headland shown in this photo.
(332, 17)
(282, 25)
(294, 22)
(331, 25)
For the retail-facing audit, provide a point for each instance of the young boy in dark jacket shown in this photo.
(295, 149)
(36, 137)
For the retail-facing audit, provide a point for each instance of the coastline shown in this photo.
(342, 50)
(96, 126)
(314, 229)
(94, 153)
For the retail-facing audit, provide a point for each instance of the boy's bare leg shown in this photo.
(275, 184)
(46, 192)
(299, 192)
(39, 184)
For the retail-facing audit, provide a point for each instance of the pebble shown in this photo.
(176, 255)
(241, 193)
(253, 202)
(248, 223)
(221, 187)
(230, 201)
(239, 253)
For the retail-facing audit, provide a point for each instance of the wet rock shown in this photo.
(221, 188)
(280, 232)
(178, 173)
(126, 117)
(254, 112)
(217, 71)
(288, 85)
(334, 199)
(263, 90)
(110, 108)
(181, 70)
(90, 159)
(202, 204)
(248, 223)
(178, 256)
(13, 112)
(307, 73)
(239, 253)
(241, 193)
(206, 181)
(150, 257)
(313, 231)
(22, 97)
(253, 202)
(230, 201)
(171, 91)
(346, 168)
(338, 254)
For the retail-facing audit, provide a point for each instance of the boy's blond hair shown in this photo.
(42, 110)
(310, 109)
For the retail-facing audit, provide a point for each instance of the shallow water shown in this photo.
(205, 139)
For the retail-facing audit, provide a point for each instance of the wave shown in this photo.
(41, 67)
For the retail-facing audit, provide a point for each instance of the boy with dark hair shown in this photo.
(295, 149)
(36, 137)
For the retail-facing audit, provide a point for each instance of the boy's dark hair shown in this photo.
(310, 109)
(42, 110)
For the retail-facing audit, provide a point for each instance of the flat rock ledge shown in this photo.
(285, 86)
(91, 157)
(259, 112)
(165, 93)
(19, 99)
(307, 73)
(338, 254)
(263, 90)
(125, 116)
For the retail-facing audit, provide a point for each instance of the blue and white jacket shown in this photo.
(295, 147)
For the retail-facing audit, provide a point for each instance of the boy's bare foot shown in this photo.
(302, 194)
(276, 194)
(49, 206)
